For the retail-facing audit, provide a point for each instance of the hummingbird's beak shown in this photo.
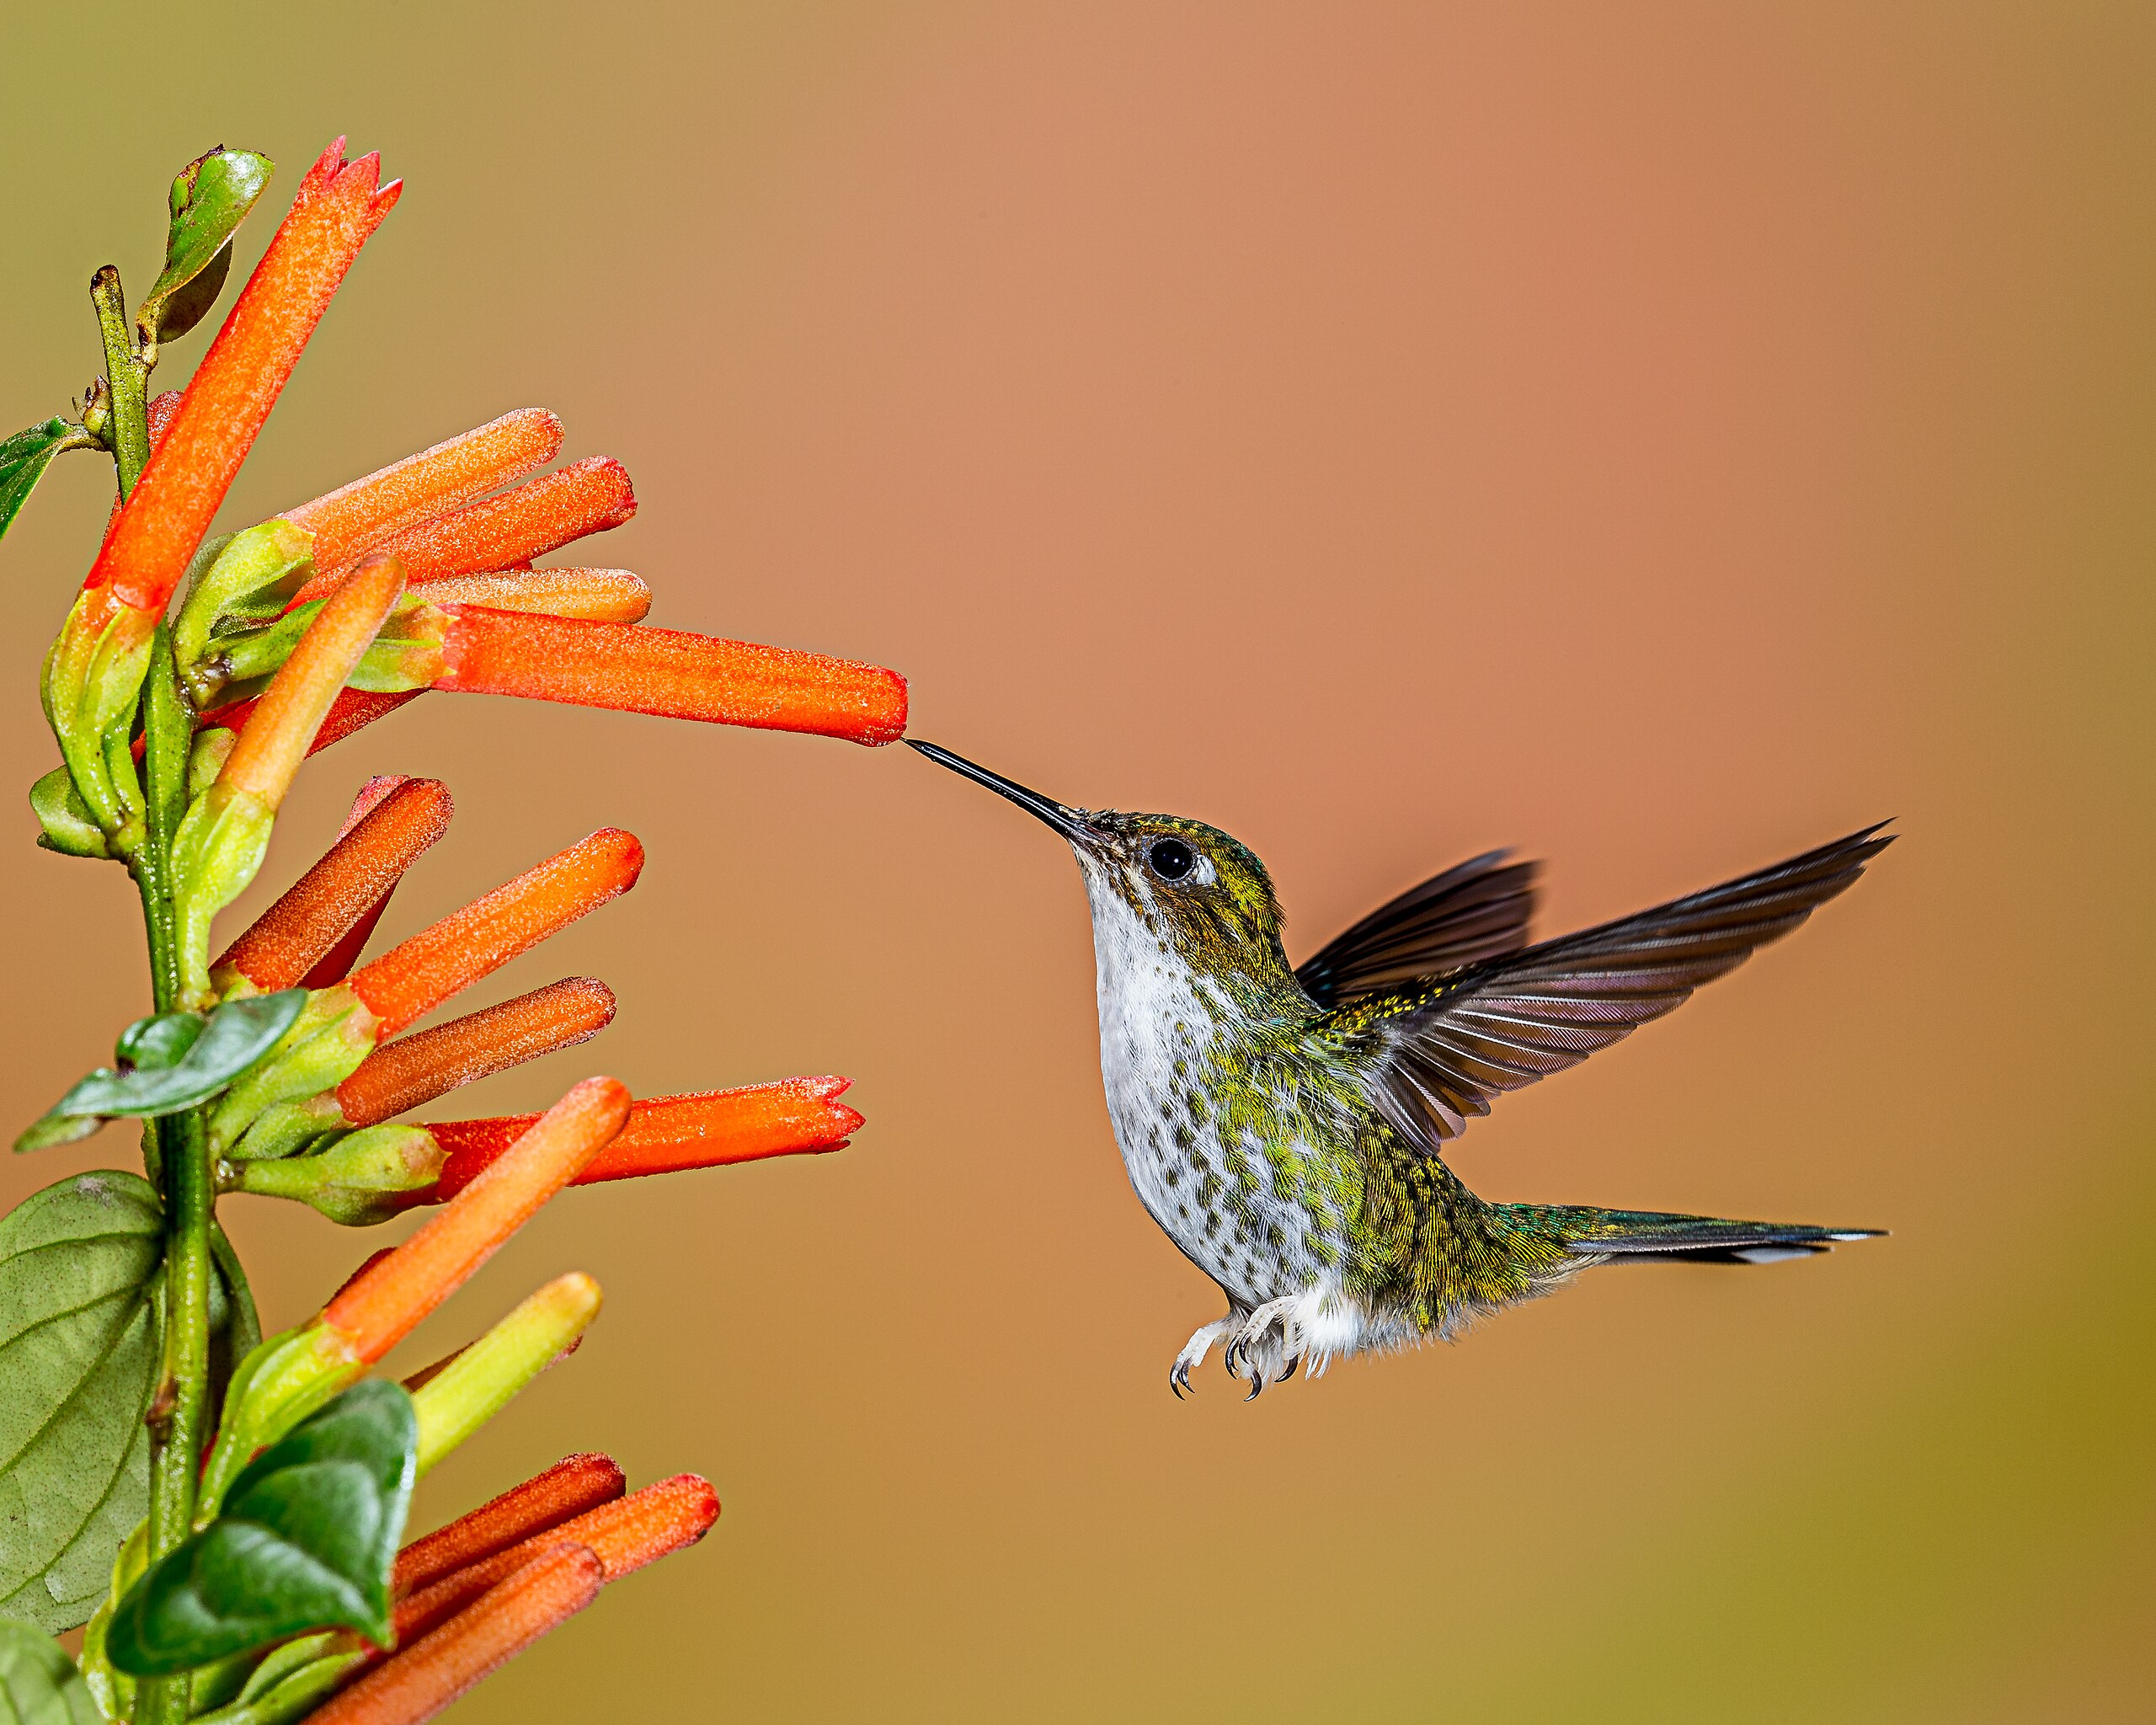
(1067, 821)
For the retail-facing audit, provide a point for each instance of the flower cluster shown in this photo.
(264, 1579)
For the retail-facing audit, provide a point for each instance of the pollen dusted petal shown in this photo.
(406, 494)
(379, 1307)
(646, 1525)
(347, 888)
(592, 595)
(237, 383)
(675, 675)
(626, 1534)
(414, 1069)
(665, 1134)
(412, 980)
(570, 1486)
(279, 733)
(540, 516)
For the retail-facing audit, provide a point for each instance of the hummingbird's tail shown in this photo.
(1647, 1234)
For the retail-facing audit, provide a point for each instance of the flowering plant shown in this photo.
(226, 1513)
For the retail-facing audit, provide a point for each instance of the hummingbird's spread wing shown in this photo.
(1477, 909)
(1451, 1044)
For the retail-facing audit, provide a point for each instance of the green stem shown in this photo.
(168, 736)
(182, 1144)
(176, 1419)
(125, 375)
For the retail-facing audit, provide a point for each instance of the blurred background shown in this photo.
(1659, 437)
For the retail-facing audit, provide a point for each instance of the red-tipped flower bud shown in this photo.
(540, 516)
(406, 494)
(414, 1069)
(425, 1678)
(380, 1306)
(349, 885)
(570, 1486)
(414, 979)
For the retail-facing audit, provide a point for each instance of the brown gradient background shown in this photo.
(1659, 437)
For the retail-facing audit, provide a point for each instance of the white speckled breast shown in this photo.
(1215, 1201)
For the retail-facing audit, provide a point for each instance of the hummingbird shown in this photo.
(1286, 1126)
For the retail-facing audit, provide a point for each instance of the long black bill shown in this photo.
(1065, 821)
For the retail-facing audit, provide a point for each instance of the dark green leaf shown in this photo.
(209, 200)
(159, 1043)
(79, 1337)
(307, 1540)
(191, 301)
(25, 458)
(39, 1683)
(237, 1035)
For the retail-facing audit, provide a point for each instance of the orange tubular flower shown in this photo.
(416, 1069)
(339, 204)
(336, 964)
(222, 838)
(412, 980)
(540, 516)
(664, 1134)
(347, 888)
(427, 1676)
(593, 595)
(279, 732)
(646, 1525)
(569, 1487)
(624, 1535)
(379, 1307)
(673, 675)
(406, 494)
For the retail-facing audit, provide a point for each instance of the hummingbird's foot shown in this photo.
(1267, 1360)
(1194, 1352)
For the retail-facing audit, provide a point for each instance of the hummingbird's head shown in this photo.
(1191, 887)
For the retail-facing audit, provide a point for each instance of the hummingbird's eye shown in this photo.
(1171, 859)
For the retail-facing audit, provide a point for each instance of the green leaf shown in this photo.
(236, 1035)
(191, 301)
(307, 1540)
(70, 827)
(39, 1683)
(160, 1042)
(79, 1339)
(25, 458)
(209, 200)
(237, 584)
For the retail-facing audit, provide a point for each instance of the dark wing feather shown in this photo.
(1455, 1042)
(1477, 909)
